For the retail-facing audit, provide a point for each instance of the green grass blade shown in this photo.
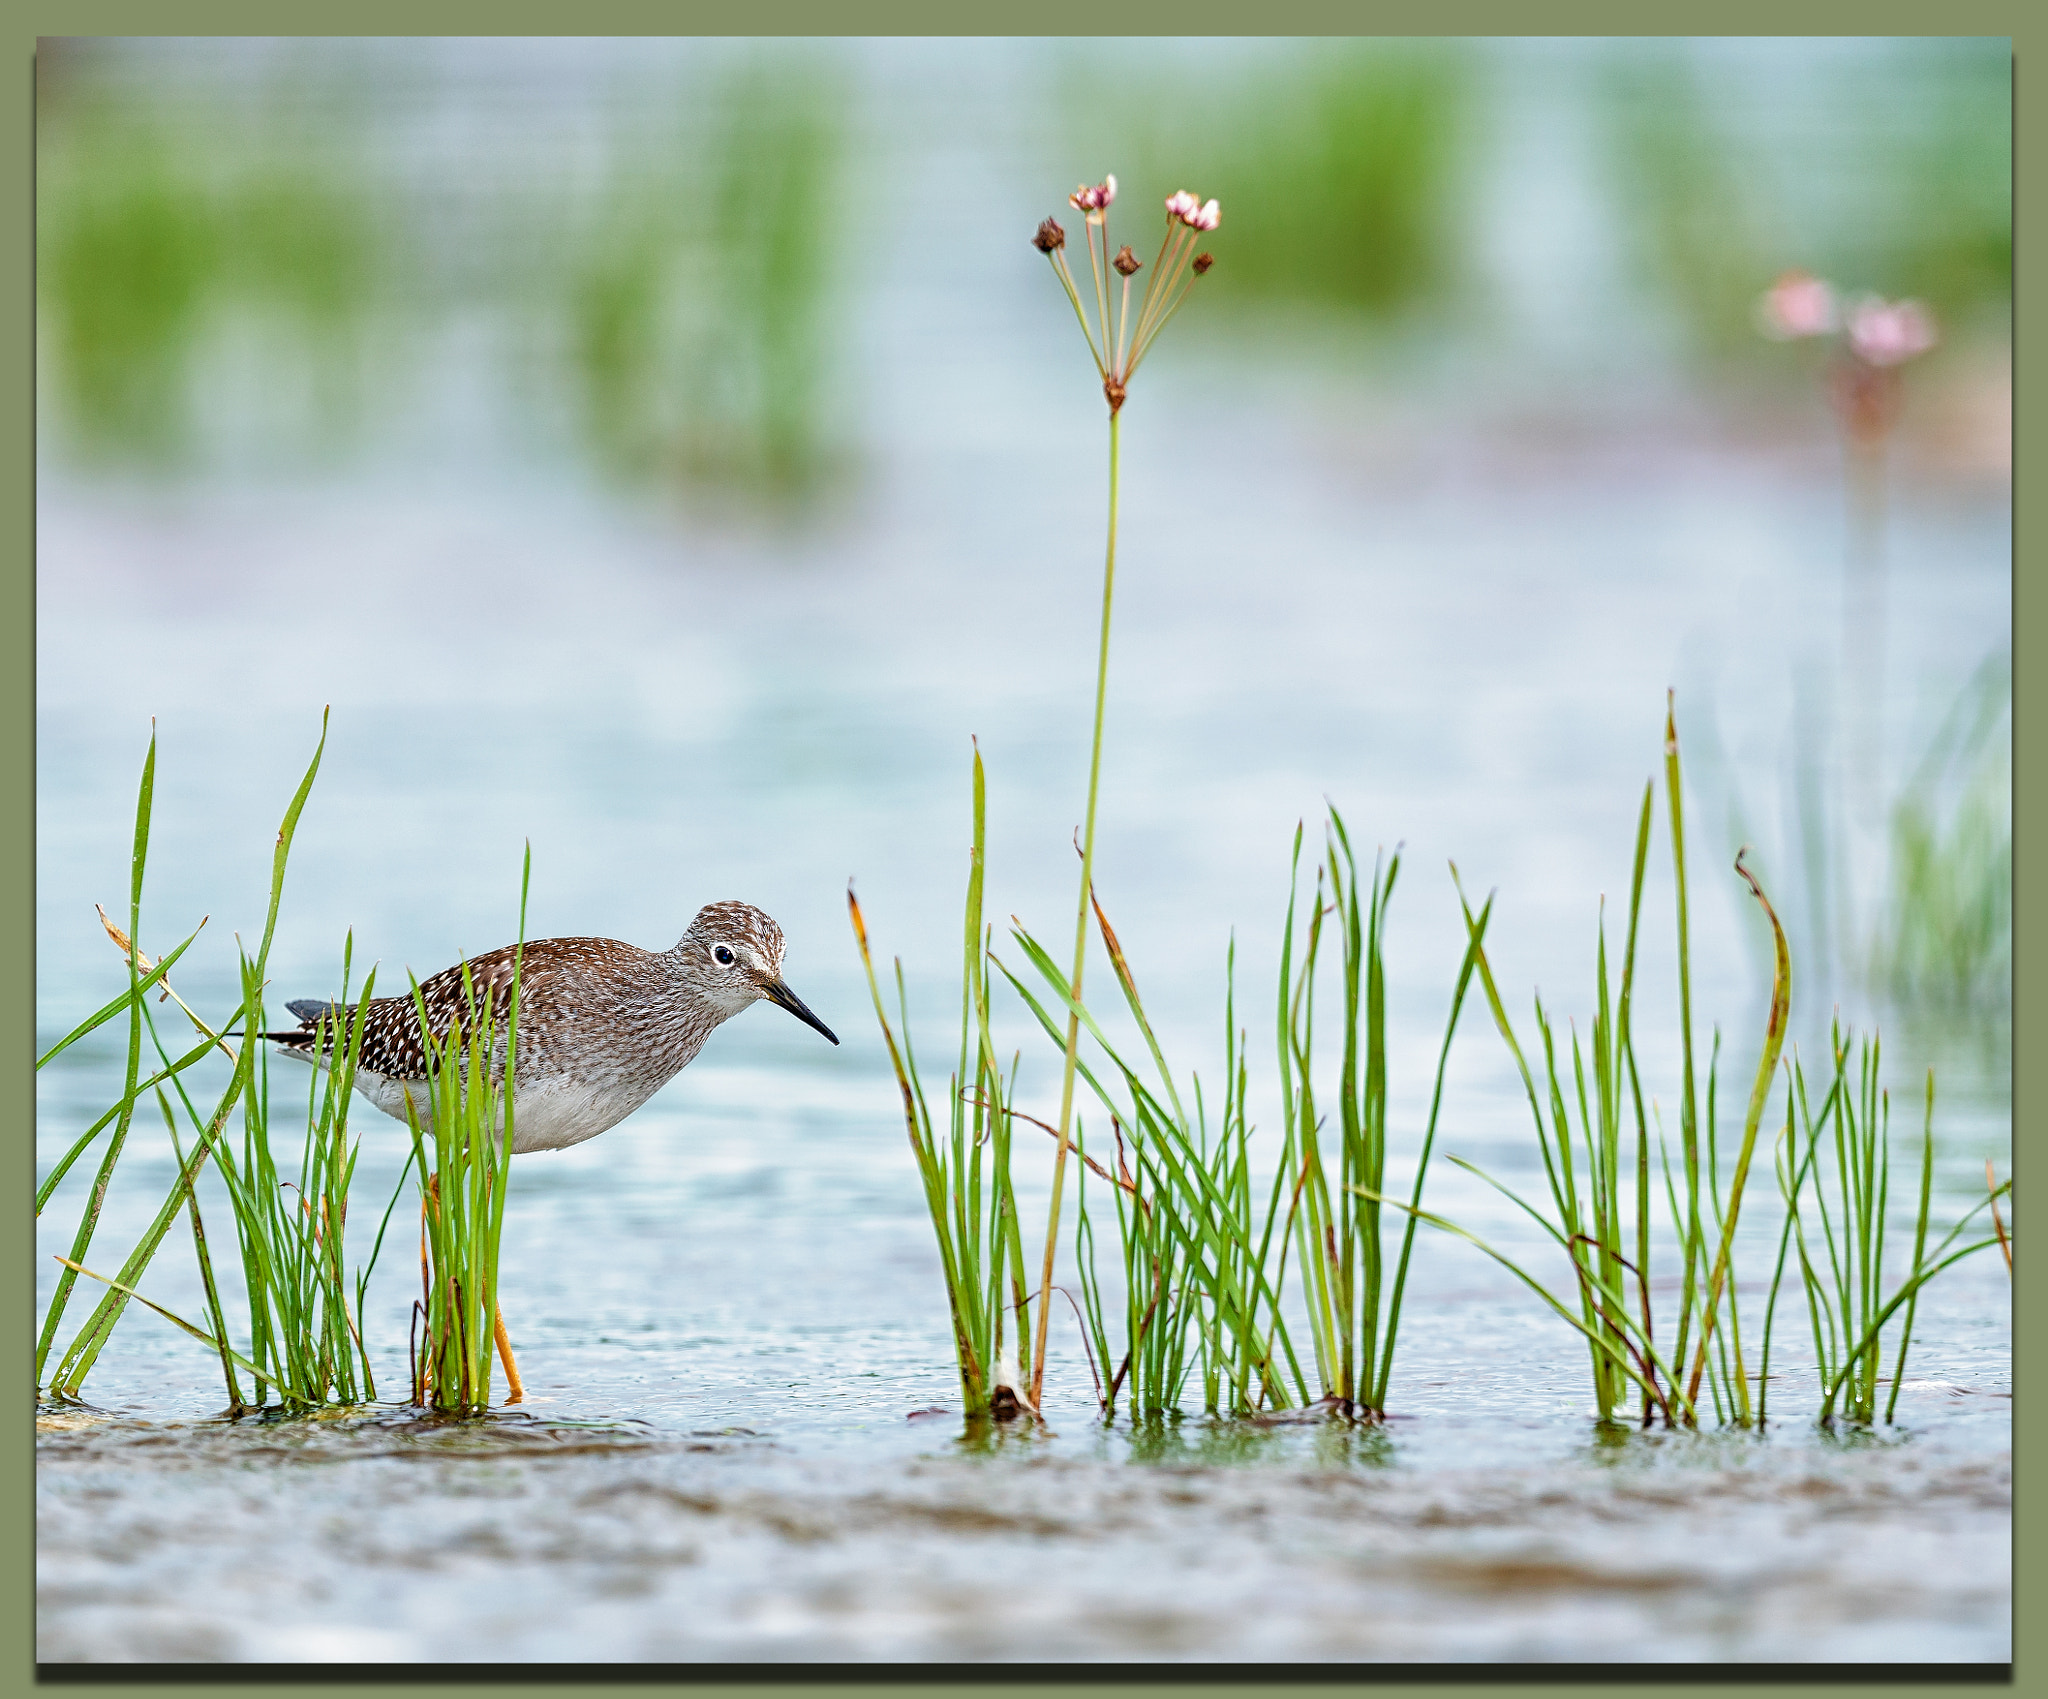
(1766, 1072)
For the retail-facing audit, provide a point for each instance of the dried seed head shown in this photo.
(1126, 262)
(1203, 262)
(1050, 237)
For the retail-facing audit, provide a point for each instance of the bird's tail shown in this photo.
(310, 1010)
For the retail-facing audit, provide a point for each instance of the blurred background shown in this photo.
(670, 452)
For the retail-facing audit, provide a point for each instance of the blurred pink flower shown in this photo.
(1180, 204)
(1798, 304)
(1889, 333)
(1192, 212)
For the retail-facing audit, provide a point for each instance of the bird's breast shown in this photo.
(583, 1067)
(552, 1114)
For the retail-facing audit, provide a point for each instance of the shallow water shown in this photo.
(736, 1289)
(1456, 617)
(395, 1540)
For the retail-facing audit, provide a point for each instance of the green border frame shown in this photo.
(919, 17)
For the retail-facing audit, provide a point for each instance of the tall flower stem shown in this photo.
(1059, 1167)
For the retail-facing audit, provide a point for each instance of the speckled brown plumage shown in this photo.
(602, 1025)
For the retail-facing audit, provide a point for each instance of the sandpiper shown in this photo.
(603, 1026)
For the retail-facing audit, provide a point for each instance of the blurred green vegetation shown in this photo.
(209, 274)
(1947, 947)
(1929, 938)
(152, 230)
(1895, 175)
(700, 300)
(1339, 172)
(680, 302)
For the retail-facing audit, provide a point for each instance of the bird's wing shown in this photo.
(391, 1028)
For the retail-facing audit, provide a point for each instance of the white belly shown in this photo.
(548, 1115)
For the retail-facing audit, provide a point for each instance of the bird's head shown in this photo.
(734, 952)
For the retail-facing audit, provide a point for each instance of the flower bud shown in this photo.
(1050, 236)
(1126, 262)
(1203, 262)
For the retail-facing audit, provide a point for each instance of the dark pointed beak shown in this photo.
(788, 999)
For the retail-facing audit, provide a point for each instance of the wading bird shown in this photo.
(602, 1027)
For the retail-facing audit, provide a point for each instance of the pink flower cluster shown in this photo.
(1194, 213)
(1119, 330)
(1888, 333)
(1879, 332)
(1798, 304)
(1095, 200)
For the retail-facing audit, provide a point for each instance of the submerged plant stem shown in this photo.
(1059, 1168)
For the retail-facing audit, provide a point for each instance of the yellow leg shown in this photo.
(517, 1394)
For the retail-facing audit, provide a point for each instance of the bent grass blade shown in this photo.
(1766, 1072)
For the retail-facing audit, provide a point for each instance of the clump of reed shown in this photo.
(462, 1154)
(1945, 946)
(1832, 1165)
(966, 1169)
(1192, 1244)
(160, 227)
(1834, 1170)
(1588, 1170)
(1922, 931)
(305, 1333)
(305, 1346)
(1337, 1215)
(305, 1338)
(1343, 163)
(673, 308)
(699, 303)
(1202, 1247)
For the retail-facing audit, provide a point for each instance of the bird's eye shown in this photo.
(723, 956)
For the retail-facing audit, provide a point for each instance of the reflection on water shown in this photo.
(546, 1541)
